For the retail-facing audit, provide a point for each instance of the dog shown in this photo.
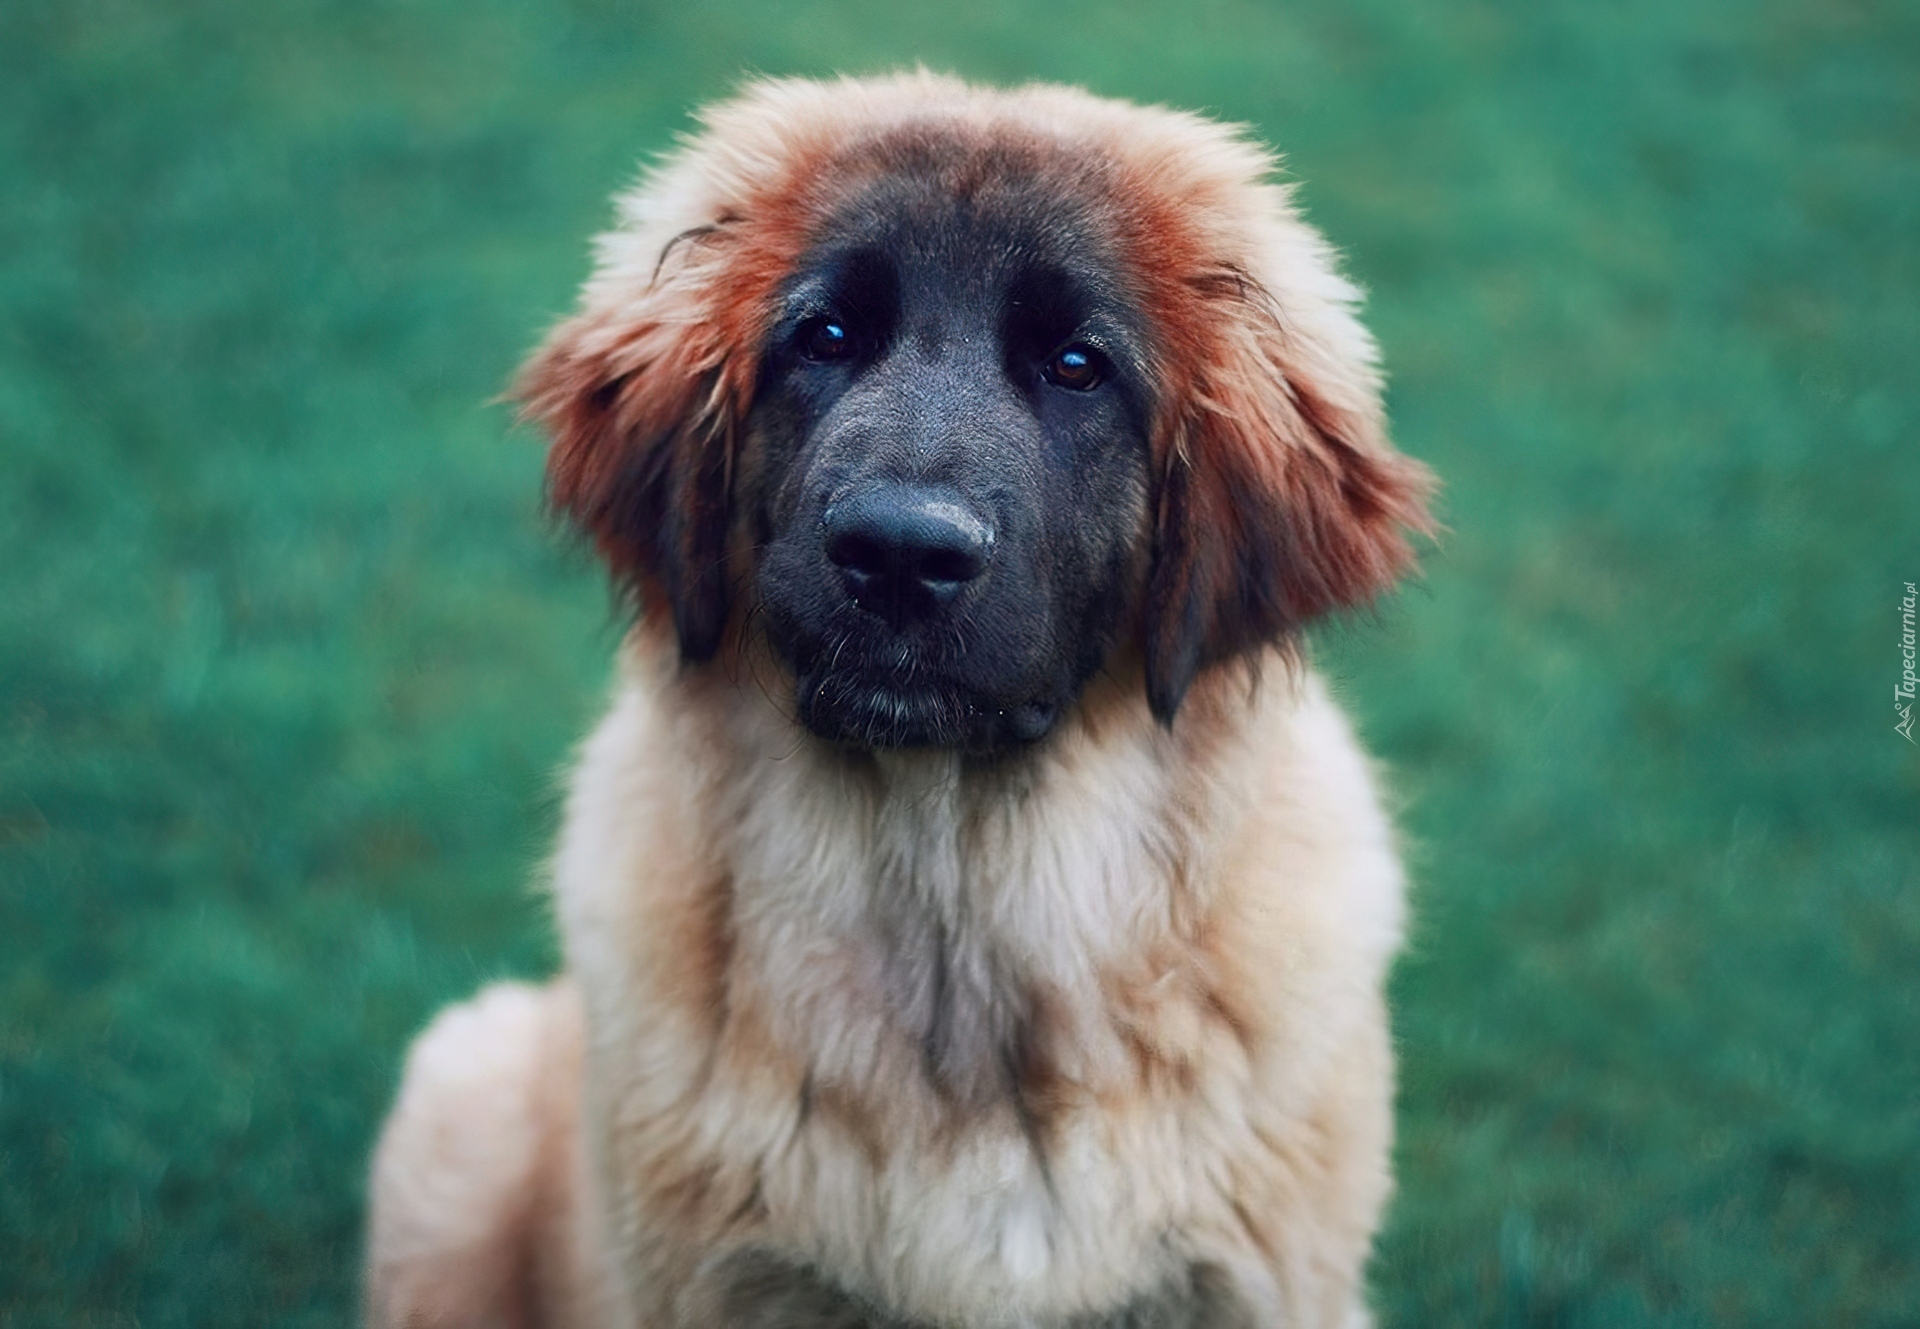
(975, 912)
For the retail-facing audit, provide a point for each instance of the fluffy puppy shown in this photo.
(975, 914)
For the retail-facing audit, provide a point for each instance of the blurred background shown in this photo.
(290, 660)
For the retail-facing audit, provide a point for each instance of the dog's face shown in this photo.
(952, 423)
(952, 396)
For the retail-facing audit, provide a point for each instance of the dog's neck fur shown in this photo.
(976, 916)
(935, 974)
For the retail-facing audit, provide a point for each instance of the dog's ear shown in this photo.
(1279, 496)
(642, 394)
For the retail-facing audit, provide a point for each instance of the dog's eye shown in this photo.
(824, 339)
(1077, 367)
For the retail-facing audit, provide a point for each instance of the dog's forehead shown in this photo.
(972, 220)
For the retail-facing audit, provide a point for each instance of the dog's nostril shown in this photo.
(904, 551)
(951, 565)
(857, 553)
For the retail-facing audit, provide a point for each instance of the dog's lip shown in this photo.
(871, 686)
(875, 710)
(875, 689)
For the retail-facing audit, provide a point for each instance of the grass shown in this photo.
(289, 659)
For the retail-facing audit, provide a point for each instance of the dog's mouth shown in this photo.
(861, 684)
(858, 709)
(905, 701)
(873, 712)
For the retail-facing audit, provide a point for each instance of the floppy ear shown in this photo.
(641, 394)
(1280, 497)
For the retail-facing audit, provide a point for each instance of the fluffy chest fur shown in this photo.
(981, 1044)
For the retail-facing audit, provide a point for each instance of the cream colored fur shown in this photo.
(1272, 1162)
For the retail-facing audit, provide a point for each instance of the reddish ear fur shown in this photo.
(642, 398)
(1280, 497)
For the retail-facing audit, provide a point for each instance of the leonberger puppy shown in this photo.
(975, 912)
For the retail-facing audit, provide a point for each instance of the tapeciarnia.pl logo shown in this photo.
(1903, 690)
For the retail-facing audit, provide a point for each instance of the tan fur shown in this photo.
(984, 1046)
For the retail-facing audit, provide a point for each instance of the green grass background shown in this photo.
(289, 659)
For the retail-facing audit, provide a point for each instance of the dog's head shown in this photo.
(969, 391)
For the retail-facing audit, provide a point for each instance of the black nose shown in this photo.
(905, 552)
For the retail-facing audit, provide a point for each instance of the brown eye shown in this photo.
(1076, 367)
(825, 339)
